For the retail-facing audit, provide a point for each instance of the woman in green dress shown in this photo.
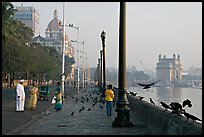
(58, 94)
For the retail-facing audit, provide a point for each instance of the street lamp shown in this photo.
(72, 26)
(103, 36)
(83, 59)
(99, 73)
(63, 53)
(123, 116)
(101, 53)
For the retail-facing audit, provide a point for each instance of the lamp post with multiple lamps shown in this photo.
(72, 26)
(83, 64)
(78, 42)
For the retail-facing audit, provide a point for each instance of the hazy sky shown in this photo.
(152, 28)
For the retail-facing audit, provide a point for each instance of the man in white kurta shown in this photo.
(20, 96)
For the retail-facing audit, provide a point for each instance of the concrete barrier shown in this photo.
(162, 122)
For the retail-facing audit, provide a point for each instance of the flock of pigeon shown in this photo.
(90, 96)
(175, 107)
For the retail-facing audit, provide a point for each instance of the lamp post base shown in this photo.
(122, 119)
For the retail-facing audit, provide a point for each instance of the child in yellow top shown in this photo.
(109, 99)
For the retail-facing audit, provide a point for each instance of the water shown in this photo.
(170, 94)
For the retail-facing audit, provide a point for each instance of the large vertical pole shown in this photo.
(123, 117)
(63, 52)
(101, 53)
(83, 73)
(78, 60)
(104, 65)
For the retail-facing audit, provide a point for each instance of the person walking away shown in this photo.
(58, 94)
(109, 96)
(20, 96)
(33, 92)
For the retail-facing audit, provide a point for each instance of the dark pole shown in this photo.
(103, 34)
(99, 73)
(98, 68)
(122, 109)
(101, 52)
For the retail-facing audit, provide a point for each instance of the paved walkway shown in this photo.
(93, 122)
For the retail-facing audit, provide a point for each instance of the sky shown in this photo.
(152, 28)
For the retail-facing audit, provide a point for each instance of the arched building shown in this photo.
(169, 70)
(54, 38)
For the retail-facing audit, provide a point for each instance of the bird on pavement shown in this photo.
(165, 106)
(101, 107)
(88, 109)
(147, 86)
(151, 101)
(72, 113)
(80, 110)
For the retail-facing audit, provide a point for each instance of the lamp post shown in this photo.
(83, 65)
(123, 116)
(72, 26)
(99, 73)
(81, 57)
(63, 53)
(98, 68)
(83, 72)
(101, 53)
(103, 36)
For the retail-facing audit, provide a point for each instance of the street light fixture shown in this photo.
(72, 26)
(99, 73)
(101, 53)
(78, 60)
(103, 36)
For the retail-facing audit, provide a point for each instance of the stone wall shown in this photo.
(162, 122)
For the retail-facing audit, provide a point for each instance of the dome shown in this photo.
(54, 23)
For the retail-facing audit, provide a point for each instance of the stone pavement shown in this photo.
(93, 122)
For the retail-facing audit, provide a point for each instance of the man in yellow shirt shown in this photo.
(109, 99)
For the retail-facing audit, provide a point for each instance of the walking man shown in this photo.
(109, 99)
(20, 96)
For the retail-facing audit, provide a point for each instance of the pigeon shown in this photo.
(140, 98)
(190, 116)
(72, 113)
(133, 94)
(80, 110)
(146, 86)
(187, 102)
(151, 101)
(165, 106)
(101, 107)
(89, 109)
(176, 108)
